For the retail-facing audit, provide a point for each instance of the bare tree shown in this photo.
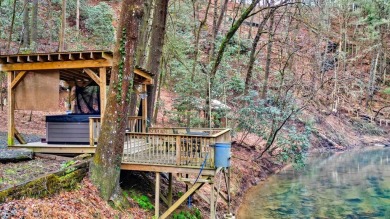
(155, 51)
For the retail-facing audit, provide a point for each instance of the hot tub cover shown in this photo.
(71, 118)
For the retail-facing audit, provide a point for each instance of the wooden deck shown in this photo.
(175, 150)
(40, 147)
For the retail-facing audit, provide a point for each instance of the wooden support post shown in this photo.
(70, 98)
(103, 91)
(212, 202)
(11, 113)
(144, 109)
(170, 189)
(228, 188)
(157, 194)
(195, 187)
(91, 132)
(178, 154)
(153, 185)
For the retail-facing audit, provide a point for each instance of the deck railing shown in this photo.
(134, 124)
(174, 146)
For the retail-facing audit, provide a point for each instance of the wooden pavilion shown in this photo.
(188, 153)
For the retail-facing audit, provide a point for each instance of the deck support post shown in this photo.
(212, 201)
(184, 197)
(144, 109)
(170, 190)
(11, 108)
(103, 91)
(157, 194)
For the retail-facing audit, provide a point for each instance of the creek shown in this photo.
(352, 184)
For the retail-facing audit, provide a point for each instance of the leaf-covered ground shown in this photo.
(15, 173)
(81, 203)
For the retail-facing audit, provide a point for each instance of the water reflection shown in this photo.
(344, 185)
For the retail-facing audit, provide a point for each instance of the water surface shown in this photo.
(353, 184)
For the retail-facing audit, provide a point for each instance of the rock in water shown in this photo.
(12, 155)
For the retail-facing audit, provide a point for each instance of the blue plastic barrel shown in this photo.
(222, 154)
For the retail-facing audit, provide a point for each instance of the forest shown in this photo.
(289, 78)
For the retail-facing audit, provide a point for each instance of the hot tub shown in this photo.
(68, 129)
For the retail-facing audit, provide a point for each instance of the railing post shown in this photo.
(91, 132)
(178, 141)
(144, 109)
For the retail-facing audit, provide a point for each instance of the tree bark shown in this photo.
(143, 40)
(105, 167)
(156, 46)
(268, 61)
(144, 33)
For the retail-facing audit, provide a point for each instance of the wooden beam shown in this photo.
(31, 58)
(212, 201)
(21, 59)
(9, 60)
(153, 185)
(92, 74)
(166, 168)
(57, 149)
(103, 91)
(57, 65)
(200, 194)
(11, 107)
(18, 79)
(143, 74)
(49, 58)
(193, 180)
(19, 137)
(157, 196)
(191, 191)
(71, 57)
(41, 58)
(106, 56)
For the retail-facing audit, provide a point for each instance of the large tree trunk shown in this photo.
(105, 168)
(144, 34)
(156, 46)
(143, 39)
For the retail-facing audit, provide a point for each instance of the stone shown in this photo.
(12, 155)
